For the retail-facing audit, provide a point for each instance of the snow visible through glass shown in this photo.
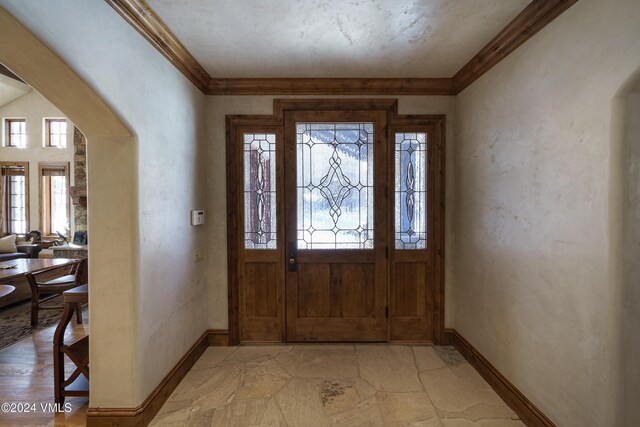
(410, 190)
(335, 191)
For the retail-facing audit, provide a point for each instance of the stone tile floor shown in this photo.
(324, 384)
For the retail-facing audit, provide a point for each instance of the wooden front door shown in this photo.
(335, 225)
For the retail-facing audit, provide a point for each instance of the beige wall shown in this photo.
(218, 107)
(538, 198)
(630, 295)
(35, 108)
(147, 297)
(11, 89)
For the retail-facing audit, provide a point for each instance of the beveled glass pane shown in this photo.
(260, 191)
(411, 190)
(334, 183)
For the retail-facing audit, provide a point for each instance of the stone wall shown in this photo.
(80, 175)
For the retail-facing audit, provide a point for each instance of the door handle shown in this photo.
(292, 259)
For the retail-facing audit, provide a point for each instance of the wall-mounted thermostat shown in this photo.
(197, 217)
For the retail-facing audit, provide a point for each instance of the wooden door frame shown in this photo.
(234, 198)
(320, 326)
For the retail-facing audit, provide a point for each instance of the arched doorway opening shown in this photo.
(112, 206)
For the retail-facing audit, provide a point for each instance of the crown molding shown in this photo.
(145, 21)
(532, 19)
(331, 86)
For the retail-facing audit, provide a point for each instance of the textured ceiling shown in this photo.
(335, 38)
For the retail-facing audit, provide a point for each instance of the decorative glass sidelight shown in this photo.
(260, 191)
(411, 190)
(335, 193)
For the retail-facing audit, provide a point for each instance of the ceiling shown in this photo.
(335, 38)
(11, 89)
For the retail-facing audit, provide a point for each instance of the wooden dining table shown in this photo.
(22, 266)
(14, 278)
(6, 290)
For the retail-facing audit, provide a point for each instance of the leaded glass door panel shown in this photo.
(336, 225)
(260, 259)
(411, 263)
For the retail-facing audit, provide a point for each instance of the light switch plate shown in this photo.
(197, 217)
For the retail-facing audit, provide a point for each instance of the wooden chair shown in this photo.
(44, 291)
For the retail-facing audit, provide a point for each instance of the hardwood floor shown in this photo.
(26, 376)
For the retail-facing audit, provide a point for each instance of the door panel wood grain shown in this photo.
(334, 293)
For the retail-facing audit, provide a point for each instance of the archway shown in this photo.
(112, 206)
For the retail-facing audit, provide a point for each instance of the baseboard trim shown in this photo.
(144, 413)
(521, 405)
(218, 337)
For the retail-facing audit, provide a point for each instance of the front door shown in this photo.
(336, 206)
(335, 223)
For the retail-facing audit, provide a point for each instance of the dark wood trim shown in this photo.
(332, 86)
(521, 405)
(282, 105)
(440, 221)
(531, 20)
(233, 248)
(144, 413)
(145, 21)
(218, 337)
